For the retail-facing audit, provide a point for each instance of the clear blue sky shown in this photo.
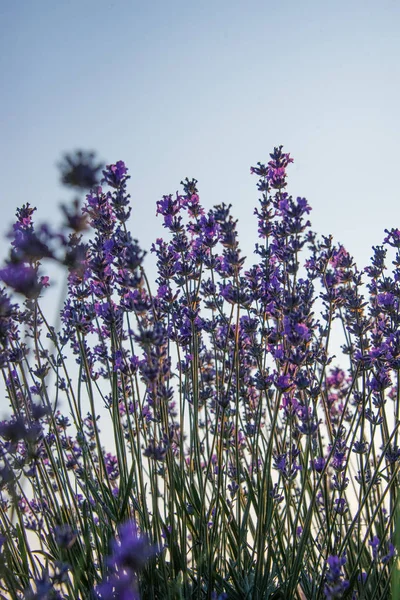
(205, 90)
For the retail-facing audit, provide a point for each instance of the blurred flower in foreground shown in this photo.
(128, 556)
(80, 170)
(23, 279)
(336, 585)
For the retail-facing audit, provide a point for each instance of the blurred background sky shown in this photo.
(206, 89)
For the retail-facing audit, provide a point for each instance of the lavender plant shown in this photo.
(199, 439)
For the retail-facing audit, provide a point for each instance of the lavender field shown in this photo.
(195, 436)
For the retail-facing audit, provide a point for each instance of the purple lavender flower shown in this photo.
(392, 454)
(169, 207)
(99, 209)
(341, 506)
(129, 554)
(24, 279)
(307, 423)
(380, 381)
(132, 550)
(393, 238)
(14, 430)
(65, 536)
(8, 314)
(390, 554)
(44, 590)
(335, 585)
(319, 464)
(117, 587)
(360, 447)
(115, 175)
(79, 170)
(286, 463)
(275, 172)
(155, 451)
(375, 544)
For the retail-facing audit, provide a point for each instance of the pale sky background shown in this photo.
(205, 90)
